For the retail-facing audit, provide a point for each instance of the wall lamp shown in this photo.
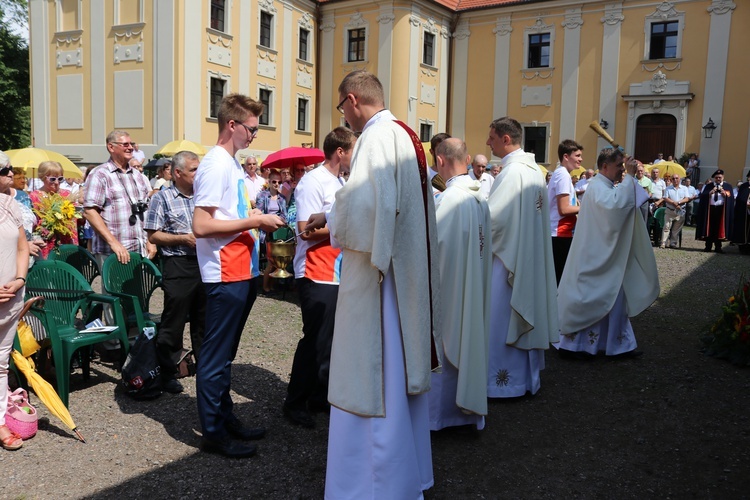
(708, 128)
(604, 123)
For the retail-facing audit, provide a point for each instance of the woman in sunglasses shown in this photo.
(270, 201)
(51, 175)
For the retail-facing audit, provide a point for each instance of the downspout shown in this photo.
(453, 24)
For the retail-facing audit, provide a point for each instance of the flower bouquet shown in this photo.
(729, 337)
(57, 219)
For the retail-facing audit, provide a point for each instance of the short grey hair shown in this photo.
(181, 159)
(4, 160)
(116, 134)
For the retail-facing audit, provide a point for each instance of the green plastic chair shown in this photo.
(133, 283)
(66, 294)
(659, 225)
(79, 258)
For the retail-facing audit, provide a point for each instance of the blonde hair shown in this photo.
(365, 86)
(46, 166)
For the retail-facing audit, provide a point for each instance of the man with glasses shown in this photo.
(675, 199)
(115, 203)
(225, 226)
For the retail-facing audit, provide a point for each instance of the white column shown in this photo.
(287, 62)
(98, 44)
(415, 35)
(39, 47)
(244, 39)
(326, 85)
(195, 108)
(571, 59)
(385, 49)
(460, 75)
(610, 64)
(502, 32)
(163, 69)
(443, 93)
(716, 76)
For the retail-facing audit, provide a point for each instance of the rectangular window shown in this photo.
(539, 50)
(266, 23)
(425, 132)
(663, 40)
(356, 45)
(428, 50)
(217, 15)
(302, 105)
(265, 98)
(535, 141)
(217, 94)
(304, 37)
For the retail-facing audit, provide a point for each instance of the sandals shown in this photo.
(12, 441)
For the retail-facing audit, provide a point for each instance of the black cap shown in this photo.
(718, 171)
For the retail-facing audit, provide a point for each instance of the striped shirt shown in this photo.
(171, 212)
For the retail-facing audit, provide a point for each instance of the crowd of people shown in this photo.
(454, 279)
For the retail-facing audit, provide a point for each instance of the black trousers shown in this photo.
(309, 378)
(560, 250)
(714, 223)
(184, 294)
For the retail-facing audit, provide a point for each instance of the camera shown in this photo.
(136, 210)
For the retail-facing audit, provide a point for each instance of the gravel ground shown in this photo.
(673, 423)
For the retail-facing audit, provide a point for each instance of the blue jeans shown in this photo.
(227, 308)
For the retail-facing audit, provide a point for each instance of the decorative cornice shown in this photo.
(663, 11)
(68, 37)
(531, 74)
(613, 14)
(430, 26)
(720, 7)
(129, 30)
(462, 32)
(327, 26)
(218, 38)
(573, 19)
(267, 5)
(415, 21)
(356, 21)
(385, 18)
(502, 26)
(444, 32)
(539, 26)
(660, 65)
(306, 21)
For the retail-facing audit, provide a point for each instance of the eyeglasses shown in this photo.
(252, 130)
(124, 144)
(274, 182)
(340, 107)
(55, 179)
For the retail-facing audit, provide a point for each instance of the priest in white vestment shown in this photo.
(383, 219)
(523, 321)
(459, 394)
(611, 272)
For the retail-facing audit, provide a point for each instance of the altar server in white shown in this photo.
(383, 219)
(524, 307)
(459, 394)
(611, 272)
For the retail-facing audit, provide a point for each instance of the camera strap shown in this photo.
(120, 173)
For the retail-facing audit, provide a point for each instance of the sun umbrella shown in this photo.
(157, 163)
(174, 147)
(667, 168)
(45, 392)
(288, 157)
(30, 158)
(578, 171)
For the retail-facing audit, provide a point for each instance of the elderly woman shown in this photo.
(14, 263)
(51, 175)
(8, 186)
(270, 201)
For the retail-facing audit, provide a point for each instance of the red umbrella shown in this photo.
(288, 157)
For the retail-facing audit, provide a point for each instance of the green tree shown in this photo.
(15, 91)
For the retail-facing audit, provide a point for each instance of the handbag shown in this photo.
(186, 364)
(21, 417)
(141, 372)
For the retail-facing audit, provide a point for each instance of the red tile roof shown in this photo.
(465, 5)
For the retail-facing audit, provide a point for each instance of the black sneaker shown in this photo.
(228, 447)
(299, 417)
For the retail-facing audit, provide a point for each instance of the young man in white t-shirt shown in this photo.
(563, 210)
(317, 267)
(225, 227)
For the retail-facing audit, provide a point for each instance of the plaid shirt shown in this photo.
(171, 212)
(113, 191)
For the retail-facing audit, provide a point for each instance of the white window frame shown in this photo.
(218, 75)
(59, 28)
(308, 111)
(356, 21)
(429, 123)
(271, 104)
(545, 125)
(434, 36)
(227, 18)
(539, 28)
(305, 22)
(116, 9)
(266, 6)
(664, 13)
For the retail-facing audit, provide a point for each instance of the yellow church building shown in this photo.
(660, 77)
